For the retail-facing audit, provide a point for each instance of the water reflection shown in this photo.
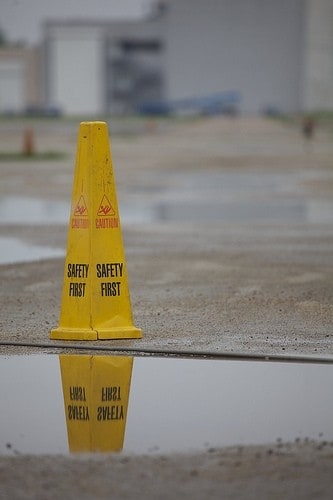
(14, 250)
(113, 403)
(21, 210)
(96, 392)
(182, 206)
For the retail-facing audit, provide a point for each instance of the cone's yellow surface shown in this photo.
(95, 298)
(96, 394)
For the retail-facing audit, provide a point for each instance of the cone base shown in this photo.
(73, 334)
(128, 332)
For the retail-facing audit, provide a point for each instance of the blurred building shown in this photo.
(275, 55)
(103, 67)
(19, 79)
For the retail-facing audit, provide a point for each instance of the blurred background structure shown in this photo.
(249, 56)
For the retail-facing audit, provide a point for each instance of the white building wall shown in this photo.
(75, 76)
(12, 86)
(318, 77)
(20, 85)
(253, 46)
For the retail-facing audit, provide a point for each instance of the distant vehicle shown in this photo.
(47, 111)
(221, 103)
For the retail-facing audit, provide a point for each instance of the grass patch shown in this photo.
(323, 119)
(43, 156)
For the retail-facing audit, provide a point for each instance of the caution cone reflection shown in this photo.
(95, 298)
(96, 394)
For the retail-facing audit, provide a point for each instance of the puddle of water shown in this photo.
(320, 211)
(244, 211)
(185, 205)
(14, 250)
(17, 210)
(56, 404)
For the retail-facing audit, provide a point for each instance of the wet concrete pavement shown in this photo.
(228, 234)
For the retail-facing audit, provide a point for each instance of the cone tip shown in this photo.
(93, 124)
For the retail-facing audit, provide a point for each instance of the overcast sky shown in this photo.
(22, 20)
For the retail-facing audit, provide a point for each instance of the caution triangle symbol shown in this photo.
(81, 207)
(105, 207)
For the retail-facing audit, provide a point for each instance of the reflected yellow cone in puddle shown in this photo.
(96, 394)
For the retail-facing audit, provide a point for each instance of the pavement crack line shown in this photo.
(183, 353)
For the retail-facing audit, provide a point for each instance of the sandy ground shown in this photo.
(258, 280)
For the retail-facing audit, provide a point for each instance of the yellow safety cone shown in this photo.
(95, 298)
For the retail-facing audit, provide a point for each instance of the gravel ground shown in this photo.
(298, 471)
(235, 255)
